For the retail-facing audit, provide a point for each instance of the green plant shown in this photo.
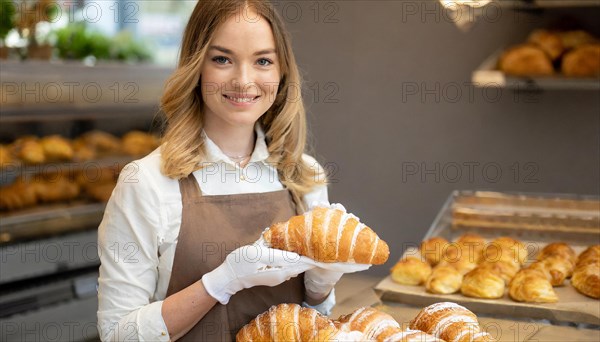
(7, 20)
(76, 41)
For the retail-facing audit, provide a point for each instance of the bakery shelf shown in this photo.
(49, 220)
(488, 76)
(45, 113)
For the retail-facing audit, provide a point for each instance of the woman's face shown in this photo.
(240, 73)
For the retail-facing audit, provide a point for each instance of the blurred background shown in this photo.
(407, 102)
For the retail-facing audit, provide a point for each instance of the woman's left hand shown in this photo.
(319, 281)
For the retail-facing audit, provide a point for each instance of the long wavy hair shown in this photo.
(284, 122)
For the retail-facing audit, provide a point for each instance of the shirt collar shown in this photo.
(215, 154)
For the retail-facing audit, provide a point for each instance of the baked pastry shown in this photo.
(29, 150)
(592, 253)
(506, 269)
(586, 276)
(463, 265)
(328, 235)
(18, 195)
(432, 249)
(556, 269)
(531, 285)
(586, 279)
(82, 151)
(526, 60)
(447, 321)
(468, 247)
(399, 335)
(290, 322)
(444, 280)
(101, 142)
(372, 323)
(411, 271)
(56, 148)
(506, 248)
(583, 61)
(136, 143)
(548, 41)
(560, 249)
(482, 282)
(6, 157)
(575, 38)
(55, 188)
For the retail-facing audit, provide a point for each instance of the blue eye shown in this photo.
(268, 61)
(215, 59)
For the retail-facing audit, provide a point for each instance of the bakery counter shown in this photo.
(356, 290)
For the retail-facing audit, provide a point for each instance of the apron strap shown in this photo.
(190, 190)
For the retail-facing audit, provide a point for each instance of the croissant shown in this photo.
(328, 235)
(6, 157)
(372, 323)
(444, 280)
(399, 335)
(559, 249)
(482, 282)
(463, 265)
(468, 247)
(506, 248)
(591, 254)
(556, 269)
(586, 276)
(29, 150)
(291, 322)
(448, 321)
(506, 269)
(531, 285)
(586, 279)
(411, 271)
(56, 148)
(432, 249)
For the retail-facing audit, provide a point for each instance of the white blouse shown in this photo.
(138, 234)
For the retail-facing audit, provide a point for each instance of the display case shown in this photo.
(49, 247)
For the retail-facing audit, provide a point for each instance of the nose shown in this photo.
(243, 79)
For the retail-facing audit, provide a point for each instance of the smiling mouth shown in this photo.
(241, 99)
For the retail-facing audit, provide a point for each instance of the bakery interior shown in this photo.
(450, 128)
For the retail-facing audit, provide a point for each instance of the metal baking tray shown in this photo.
(534, 219)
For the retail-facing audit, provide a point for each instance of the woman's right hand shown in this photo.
(252, 265)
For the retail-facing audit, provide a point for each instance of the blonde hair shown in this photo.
(284, 122)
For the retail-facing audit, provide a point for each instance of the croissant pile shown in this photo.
(59, 182)
(488, 270)
(32, 150)
(328, 235)
(547, 52)
(59, 186)
(290, 322)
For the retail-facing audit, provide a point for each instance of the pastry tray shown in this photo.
(534, 219)
(487, 75)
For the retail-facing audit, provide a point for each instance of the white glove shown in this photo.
(319, 281)
(253, 265)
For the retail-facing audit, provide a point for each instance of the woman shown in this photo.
(176, 259)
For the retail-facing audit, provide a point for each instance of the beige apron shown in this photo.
(211, 228)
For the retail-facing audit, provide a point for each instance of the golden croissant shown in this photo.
(532, 285)
(586, 276)
(369, 321)
(449, 322)
(328, 235)
(291, 322)
(444, 280)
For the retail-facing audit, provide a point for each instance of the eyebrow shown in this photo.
(225, 50)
